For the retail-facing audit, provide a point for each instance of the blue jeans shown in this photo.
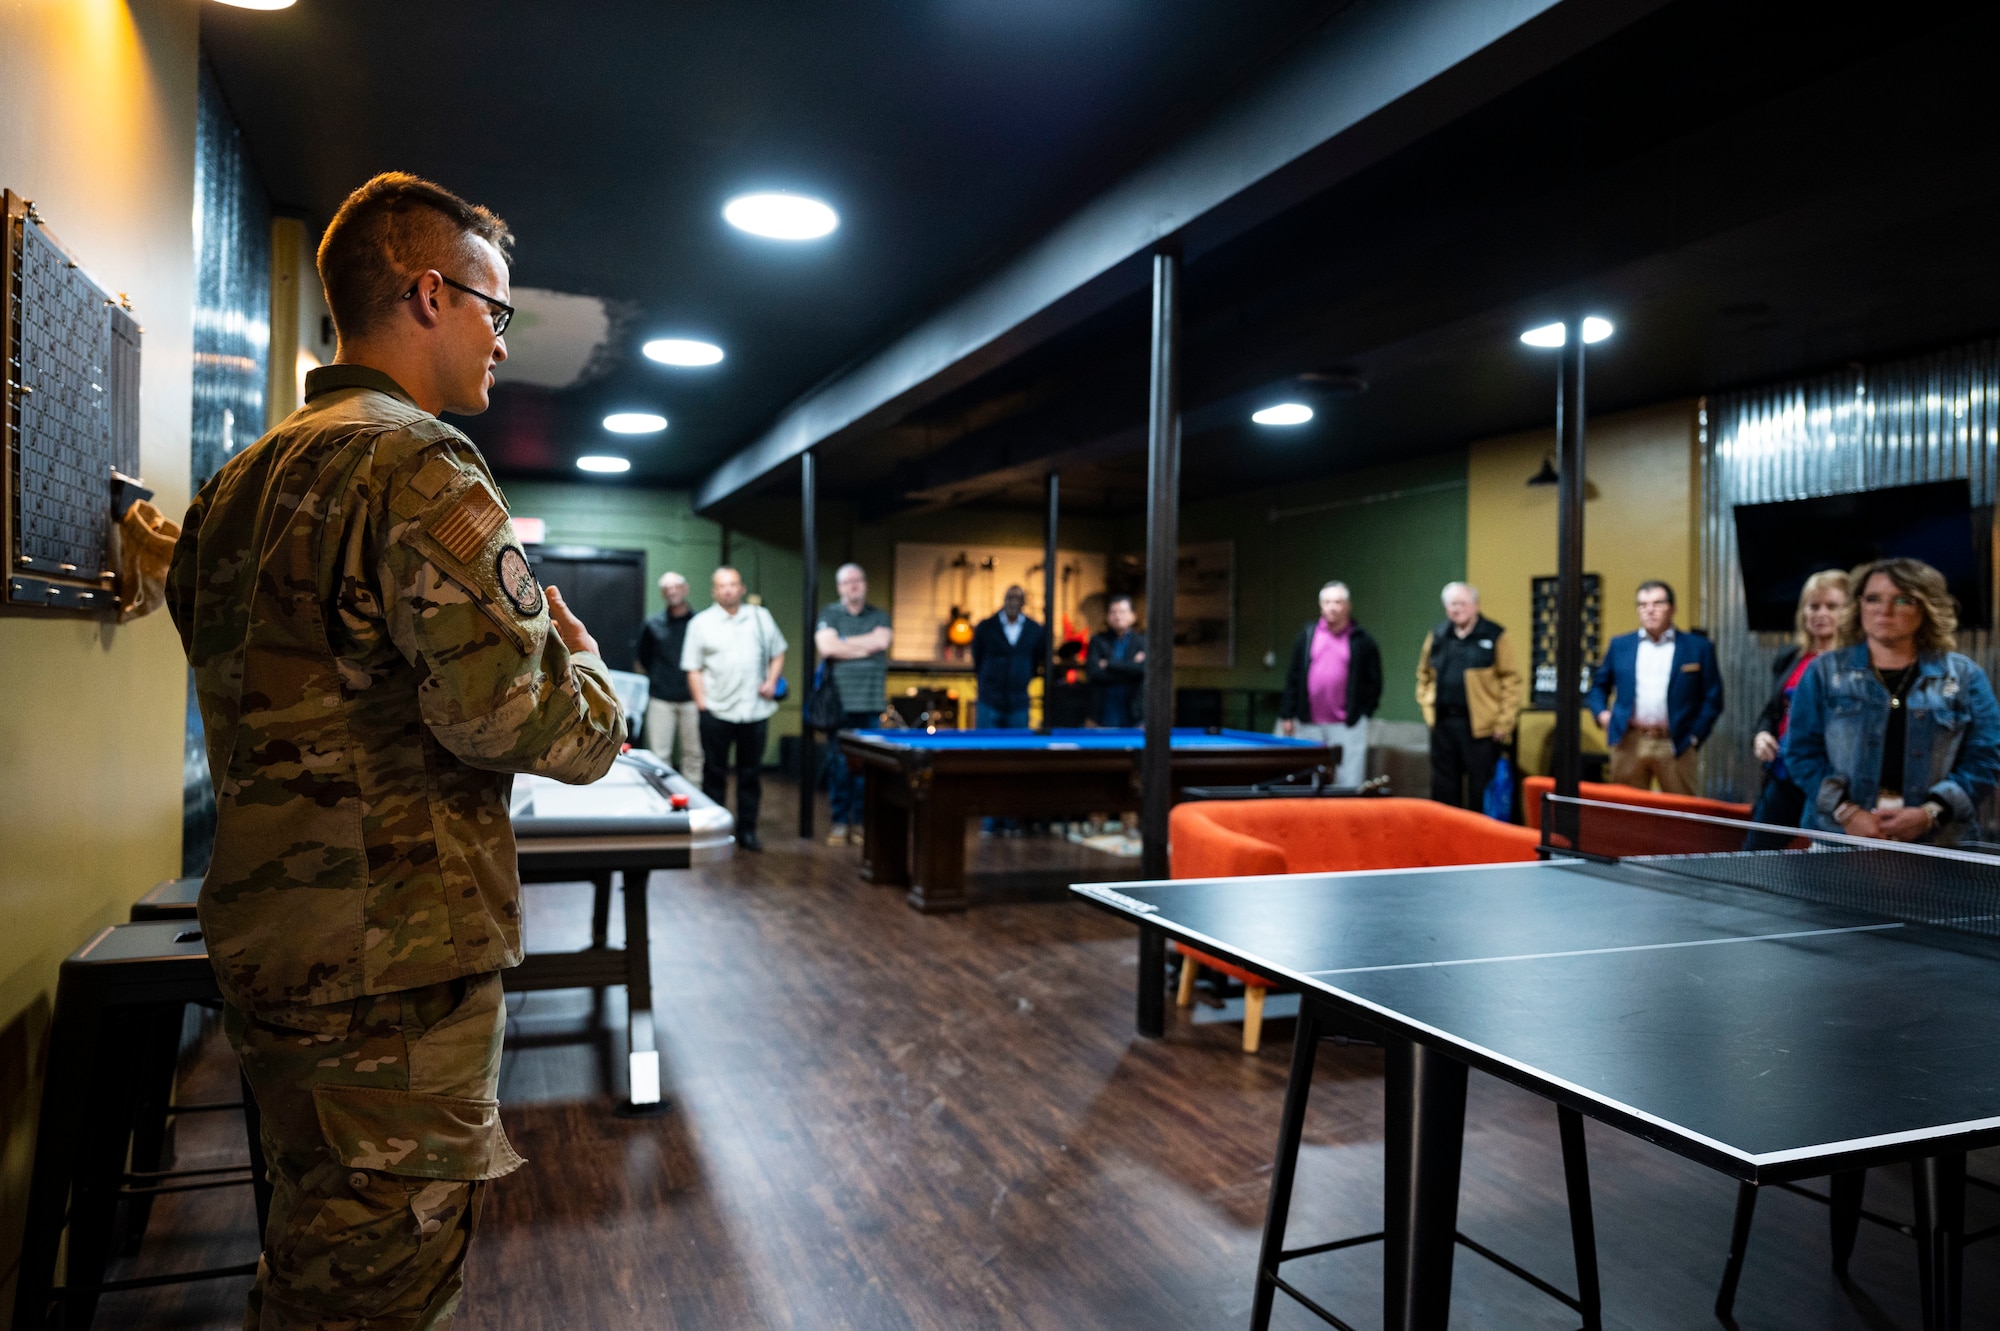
(846, 789)
(995, 718)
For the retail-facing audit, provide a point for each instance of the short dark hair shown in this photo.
(1654, 584)
(1120, 596)
(392, 228)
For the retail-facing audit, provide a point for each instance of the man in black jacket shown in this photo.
(1334, 684)
(670, 711)
(1008, 650)
(1115, 664)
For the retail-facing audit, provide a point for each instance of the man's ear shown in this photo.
(427, 303)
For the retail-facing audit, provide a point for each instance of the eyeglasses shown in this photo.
(503, 313)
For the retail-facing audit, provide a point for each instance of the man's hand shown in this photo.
(567, 626)
(1604, 718)
(1288, 728)
(1765, 746)
(768, 690)
(1863, 823)
(1904, 824)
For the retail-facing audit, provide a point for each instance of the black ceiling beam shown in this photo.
(1374, 79)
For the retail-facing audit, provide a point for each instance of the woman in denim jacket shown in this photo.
(1895, 678)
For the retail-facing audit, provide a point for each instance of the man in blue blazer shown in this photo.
(1668, 696)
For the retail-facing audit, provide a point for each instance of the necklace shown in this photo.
(1897, 691)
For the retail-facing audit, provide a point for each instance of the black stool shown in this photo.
(1938, 1188)
(172, 900)
(119, 999)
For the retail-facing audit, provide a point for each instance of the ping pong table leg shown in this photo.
(600, 908)
(1739, 1244)
(643, 1058)
(1291, 1127)
(1938, 1185)
(1425, 1141)
(1582, 1223)
(1152, 982)
(1845, 1215)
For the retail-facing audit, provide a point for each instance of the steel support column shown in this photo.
(1569, 561)
(1049, 532)
(808, 653)
(1163, 498)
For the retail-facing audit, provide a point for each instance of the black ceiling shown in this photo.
(948, 134)
(1749, 190)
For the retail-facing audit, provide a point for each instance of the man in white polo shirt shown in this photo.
(734, 656)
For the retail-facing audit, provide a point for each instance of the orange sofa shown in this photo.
(1535, 787)
(1247, 838)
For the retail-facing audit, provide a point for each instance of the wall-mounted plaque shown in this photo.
(69, 420)
(1543, 681)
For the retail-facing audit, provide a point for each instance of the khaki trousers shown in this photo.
(667, 722)
(1640, 760)
(380, 1128)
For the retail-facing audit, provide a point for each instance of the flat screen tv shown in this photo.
(1780, 545)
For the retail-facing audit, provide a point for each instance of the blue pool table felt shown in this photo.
(1099, 739)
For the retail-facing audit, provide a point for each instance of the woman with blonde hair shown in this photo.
(1821, 603)
(1895, 734)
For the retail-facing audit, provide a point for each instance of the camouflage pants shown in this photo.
(380, 1127)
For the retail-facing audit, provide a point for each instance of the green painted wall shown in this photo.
(1395, 535)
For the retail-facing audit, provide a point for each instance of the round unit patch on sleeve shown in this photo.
(517, 580)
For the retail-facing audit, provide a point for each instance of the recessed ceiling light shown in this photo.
(259, 4)
(1284, 413)
(634, 422)
(1554, 335)
(602, 462)
(682, 351)
(781, 216)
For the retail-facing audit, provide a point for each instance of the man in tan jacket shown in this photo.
(1470, 692)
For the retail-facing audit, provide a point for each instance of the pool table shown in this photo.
(921, 787)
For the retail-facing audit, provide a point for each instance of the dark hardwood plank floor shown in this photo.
(883, 1120)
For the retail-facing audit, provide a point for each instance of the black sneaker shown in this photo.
(748, 841)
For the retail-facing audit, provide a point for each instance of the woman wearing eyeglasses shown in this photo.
(1894, 734)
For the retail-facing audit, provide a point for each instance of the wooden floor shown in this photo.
(885, 1121)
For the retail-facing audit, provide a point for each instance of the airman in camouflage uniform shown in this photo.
(372, 659)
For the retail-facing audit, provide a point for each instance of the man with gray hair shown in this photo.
(853, 639)
(1334, 684)
(671, 716)
(1470, 691)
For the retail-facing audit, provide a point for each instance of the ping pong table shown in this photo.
(1772, 1015)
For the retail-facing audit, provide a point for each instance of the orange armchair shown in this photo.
(1535, 787)
(1249, 838)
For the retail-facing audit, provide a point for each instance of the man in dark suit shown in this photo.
(1668, 696)
(1008, 650)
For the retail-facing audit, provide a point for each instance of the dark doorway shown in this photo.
(605, 588)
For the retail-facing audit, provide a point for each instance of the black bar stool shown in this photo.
(1938, 1190)
(120, 998)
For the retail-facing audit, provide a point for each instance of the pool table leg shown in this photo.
(937, 869)
(885, 835)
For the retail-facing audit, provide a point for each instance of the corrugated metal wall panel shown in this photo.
(1934, 417)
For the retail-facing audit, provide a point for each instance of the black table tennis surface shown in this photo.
(1768, 1037)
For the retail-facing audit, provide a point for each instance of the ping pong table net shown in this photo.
(1950, 888)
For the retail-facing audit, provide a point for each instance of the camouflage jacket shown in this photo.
(372, 659)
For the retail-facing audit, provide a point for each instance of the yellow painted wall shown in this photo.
(97, 117)
(1639, 515)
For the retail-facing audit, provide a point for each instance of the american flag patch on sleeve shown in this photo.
(467, 525)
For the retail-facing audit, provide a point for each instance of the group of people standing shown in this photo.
(1876, 725)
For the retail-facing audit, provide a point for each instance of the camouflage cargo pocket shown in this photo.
(382, 1228)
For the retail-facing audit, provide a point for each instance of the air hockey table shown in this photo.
(641, 816)
(921, 786)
